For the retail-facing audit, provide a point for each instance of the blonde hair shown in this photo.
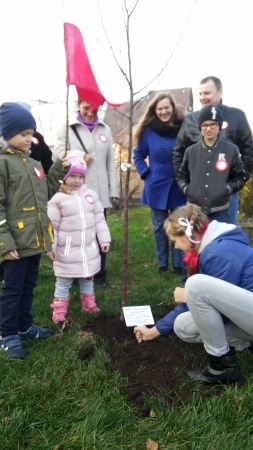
(191, 212)
(179, 113)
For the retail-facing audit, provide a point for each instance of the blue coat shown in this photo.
(160, 187)
(226, 256)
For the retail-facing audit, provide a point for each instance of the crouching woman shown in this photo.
(219, 294)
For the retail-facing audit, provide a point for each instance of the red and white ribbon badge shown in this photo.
(221, 165)
(224, 125)
(39, 172)
(103, 138)
(35, 140)
(89, 199)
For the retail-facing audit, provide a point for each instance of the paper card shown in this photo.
(138, 315)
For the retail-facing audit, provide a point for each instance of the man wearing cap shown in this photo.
(212, 169)
(235, 128)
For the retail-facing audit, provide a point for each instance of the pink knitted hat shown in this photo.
(77, 165)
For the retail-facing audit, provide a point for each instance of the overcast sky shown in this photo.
(211, 37)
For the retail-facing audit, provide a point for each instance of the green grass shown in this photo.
(53, 401)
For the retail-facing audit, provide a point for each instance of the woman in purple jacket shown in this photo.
(219, 294)
(154, 138)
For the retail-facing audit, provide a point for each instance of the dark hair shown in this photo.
(215, 80)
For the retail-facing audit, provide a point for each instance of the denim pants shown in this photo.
(20, 278)
(228, 215)
(161, 241)
(209, 299)
(63, 285)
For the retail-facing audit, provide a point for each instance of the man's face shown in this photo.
(209, 95)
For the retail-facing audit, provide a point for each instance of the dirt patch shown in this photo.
(153, 368)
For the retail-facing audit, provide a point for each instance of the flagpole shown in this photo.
(67, 122)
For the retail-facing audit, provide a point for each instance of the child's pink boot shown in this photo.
(60, 307)
(89, 304)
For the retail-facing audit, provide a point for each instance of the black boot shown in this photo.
(220, 370)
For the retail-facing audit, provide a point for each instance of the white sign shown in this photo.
(138, 315)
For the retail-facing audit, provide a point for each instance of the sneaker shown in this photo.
(12, 346)
(220, 370)
(35, 332)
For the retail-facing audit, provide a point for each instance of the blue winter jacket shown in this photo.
(224, 253)
(160, 187)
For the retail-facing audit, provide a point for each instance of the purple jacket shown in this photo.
(77, 220)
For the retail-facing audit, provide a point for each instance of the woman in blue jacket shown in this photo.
(154, 138)
(219, 294)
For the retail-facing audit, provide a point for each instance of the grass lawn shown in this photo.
(54, 401)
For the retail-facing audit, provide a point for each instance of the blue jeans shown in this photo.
(228, 215)
(20, 278)
(63, 285)
(233, 207)
(162, 243)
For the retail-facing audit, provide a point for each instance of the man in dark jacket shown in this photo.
(235, 128)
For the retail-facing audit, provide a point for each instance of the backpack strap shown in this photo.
(78, 137)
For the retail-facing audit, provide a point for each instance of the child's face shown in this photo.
(74, 181)
(22, 141)
(181, 242)
(210, 129)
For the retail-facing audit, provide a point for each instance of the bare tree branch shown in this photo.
(173, 50)
(111, 48)
(133, 8)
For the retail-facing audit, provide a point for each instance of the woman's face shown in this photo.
(87, 114)
(164, 110)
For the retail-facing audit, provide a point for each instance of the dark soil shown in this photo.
(153, 368)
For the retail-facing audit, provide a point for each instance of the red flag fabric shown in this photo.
(79, 70)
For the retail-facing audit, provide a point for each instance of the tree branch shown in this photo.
(173, 50)
(111, 48)
(133, 8)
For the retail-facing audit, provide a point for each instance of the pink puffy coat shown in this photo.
(77, 220)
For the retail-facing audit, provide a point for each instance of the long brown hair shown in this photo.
(179, 113)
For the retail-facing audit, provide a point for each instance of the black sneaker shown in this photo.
(220, 370)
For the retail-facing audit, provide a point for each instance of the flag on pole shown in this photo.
(79, 70)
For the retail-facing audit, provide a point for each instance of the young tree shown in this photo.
(132, 95)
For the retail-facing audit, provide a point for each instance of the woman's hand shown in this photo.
(146, 334)
(105, 248)
(88, 159)
(52, 255)
(11, 256)
(179, 295)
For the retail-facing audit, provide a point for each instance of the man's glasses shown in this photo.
(209, 125)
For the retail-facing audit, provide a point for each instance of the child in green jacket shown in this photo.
(24, 228)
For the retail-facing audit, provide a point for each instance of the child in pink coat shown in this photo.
(78, 221)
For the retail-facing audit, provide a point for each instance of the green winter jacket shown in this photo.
(24, 225)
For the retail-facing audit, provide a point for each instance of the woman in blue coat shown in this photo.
(154, 138)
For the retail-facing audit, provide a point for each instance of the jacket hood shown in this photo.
(227, 230)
